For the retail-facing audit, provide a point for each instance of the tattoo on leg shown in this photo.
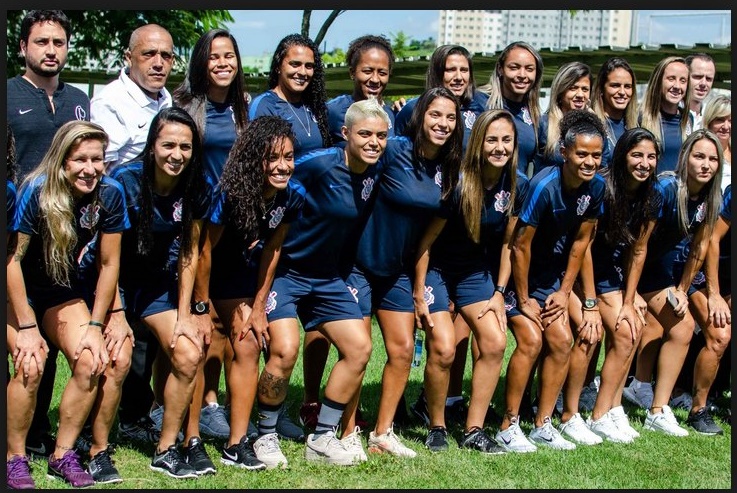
(272, 386)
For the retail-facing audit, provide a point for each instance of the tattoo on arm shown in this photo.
(21, 247)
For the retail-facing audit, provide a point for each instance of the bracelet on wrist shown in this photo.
(500, 289)
(117, 310)
(97, 324)
(27, 326)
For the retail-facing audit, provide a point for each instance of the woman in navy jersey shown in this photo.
(168, 199)
(28, 350)
(297, 93)
(453, 261)
(254, 207)
(551, 237)
(370, 62)
(614, 100)
(66, 206)
(664, 108)
(618, 254)
(676, 250)
(451, 67)
(514, 85)
(570, 90)
(308, 288)
(212, 92)
(418, 169)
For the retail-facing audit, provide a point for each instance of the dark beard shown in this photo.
(45, 73)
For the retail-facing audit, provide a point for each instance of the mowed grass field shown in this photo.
(653, 461)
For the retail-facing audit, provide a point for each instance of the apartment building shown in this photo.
(488, 31)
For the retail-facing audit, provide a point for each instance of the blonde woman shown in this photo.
(718, 119)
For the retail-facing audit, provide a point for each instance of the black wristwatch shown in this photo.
(590, 303)
(200, 307)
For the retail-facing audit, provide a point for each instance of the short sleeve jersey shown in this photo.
(10, 199)
(557, 216)
(219, 138)
(304, 124)
(335, 201)
(526, 133)
(103, 211)
(407, 199)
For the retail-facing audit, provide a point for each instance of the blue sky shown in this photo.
(259, 31)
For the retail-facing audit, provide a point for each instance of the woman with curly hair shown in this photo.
(254, 207)
(67, 207)
(297, 93)
(168, 199)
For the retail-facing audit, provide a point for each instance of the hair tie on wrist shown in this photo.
(97, 324)
(27, 326)
(116, 310)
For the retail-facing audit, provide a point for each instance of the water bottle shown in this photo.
(419, 343)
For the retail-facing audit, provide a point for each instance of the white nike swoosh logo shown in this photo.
(23, 112)
(231, 457)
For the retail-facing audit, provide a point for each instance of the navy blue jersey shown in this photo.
(453, 251)
(469, 112)
(103, 211)
(335, 201)
(336, 117)
(234, 249)
(408, 198)
(614, 130)
(543, 160)
(304, 125)
(219, 138)
(557, 217)
(725, 245)
(668, 244)
(526, 145)
(10, 199)
(166, 227)
(671, 141)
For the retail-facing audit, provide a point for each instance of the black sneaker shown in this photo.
(702, 422)
(242, 455)
(84, 441)
(419, 409)
(171, 463)
(102, 468)
(455, 414)
(40, 447)
(196, 456)
(142, 431)
(477, 439)
(437, 439)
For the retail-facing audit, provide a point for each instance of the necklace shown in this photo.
(306, 128)
(267, 207)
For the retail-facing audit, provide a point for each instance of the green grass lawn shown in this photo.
(653, 461)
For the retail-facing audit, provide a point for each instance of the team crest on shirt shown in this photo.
(429, 296)
(526, 115)
(177, 216)
(700, 212)
(368, 186)
(619, 273)
(699, 278)
(232, 114)
(510, 300)
(90, 216)
(470, 118)
(501, 201)
(276, 216)
(438, 176)
(583, 204)
(354, 292)
(80, 113)
(270, 302)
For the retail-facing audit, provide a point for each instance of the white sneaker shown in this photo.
(683, 401)
(353, 443)
(513, 439)
(576, 429)
(548, 436)
(621, 420)
(326, 447)
(639, 393)
(389, 443)
(587, 399)
(606, 429)
(664, 421)
(269, 452)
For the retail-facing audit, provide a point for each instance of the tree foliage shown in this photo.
(307, 15)
(102, 35)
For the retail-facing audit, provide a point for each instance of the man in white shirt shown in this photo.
(702, 71)
(126, 106)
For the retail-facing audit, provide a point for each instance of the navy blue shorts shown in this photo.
(609, 278)
(41, 298)
(391, 293)
(463, 289)
(150, 300)
(234, 283)
(313, 301)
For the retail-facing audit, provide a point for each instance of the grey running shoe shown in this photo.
(102, 468)
(214, 421)
(477, 439)
(171, 463)
(437, 439)
(287, 429)
(703, 423)
(242, 455)
(196, 456)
